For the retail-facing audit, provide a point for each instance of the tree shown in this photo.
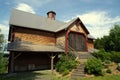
(110, 42)
(1, 41)
(3, 61)
(114, 37)
(98, 43)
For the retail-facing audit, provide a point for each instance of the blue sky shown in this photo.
(99, 16)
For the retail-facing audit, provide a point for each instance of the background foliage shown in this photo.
(102, 55)
(3, 60)
(110, 42)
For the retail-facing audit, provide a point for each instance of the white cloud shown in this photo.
(25, 7)
(98, 22)
(33, 3)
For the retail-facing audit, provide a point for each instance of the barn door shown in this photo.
(77, 41)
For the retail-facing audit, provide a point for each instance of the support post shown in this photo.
(11, 63)
(52, 62)
(66, 42)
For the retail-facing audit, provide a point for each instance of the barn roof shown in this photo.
(24, 46)
(29, 20)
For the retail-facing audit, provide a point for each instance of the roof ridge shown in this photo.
(36, 15)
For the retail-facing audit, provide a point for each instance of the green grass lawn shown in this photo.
(110, 77)
(47, 75)
(34, 75)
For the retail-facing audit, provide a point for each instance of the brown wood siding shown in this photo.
(60, 39)
(90, 44)
(35, 36)
(78, 28)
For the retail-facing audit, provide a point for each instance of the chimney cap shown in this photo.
(51, 12)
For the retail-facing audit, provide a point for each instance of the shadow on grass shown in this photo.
(33, 75)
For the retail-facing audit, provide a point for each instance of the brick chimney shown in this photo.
(51, 15)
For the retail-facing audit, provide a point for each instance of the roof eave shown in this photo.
(33, 28)
(35, 51)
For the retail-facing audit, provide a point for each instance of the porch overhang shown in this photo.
(29, 47)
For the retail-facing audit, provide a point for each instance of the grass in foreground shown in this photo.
(47, 75)
(107, 77)
(35, 75)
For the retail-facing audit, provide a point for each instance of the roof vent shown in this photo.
(51, 15)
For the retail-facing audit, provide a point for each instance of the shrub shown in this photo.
(108, 71)
(94, 66)
(3, 64)
(65, 64)
(102, 55)
(115, 56)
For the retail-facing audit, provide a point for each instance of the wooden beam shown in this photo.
(17, 56)
(66, 41)
(52, 61)
(11, 62)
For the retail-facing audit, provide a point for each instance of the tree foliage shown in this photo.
(102, 55)
(3, 61)
(1, 40)
(115, 38)
(115, 56)
(110, 42)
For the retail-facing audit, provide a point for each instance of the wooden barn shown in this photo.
(33, 40)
